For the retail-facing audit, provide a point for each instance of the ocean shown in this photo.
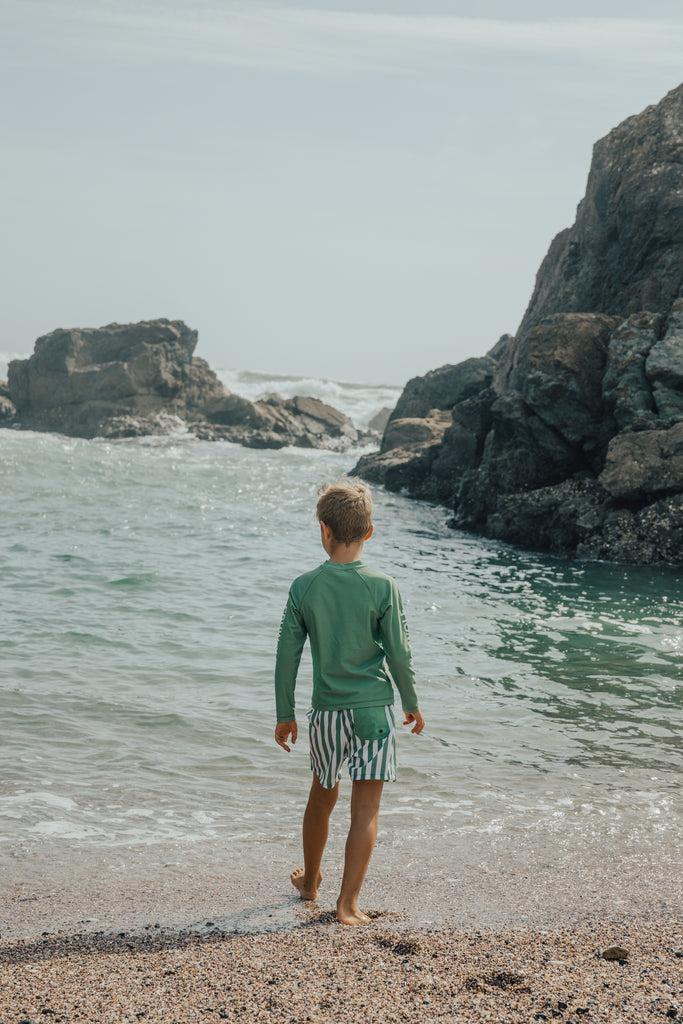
(143, 582)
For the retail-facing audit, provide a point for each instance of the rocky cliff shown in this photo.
(127, 380)
(569, 436)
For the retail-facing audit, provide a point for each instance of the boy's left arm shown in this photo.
(283, 730)
(396, 643)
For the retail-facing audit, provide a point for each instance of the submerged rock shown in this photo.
(569, 436)
(128, 380)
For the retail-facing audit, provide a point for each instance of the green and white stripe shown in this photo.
(333, 741)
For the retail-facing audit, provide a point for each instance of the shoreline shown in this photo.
(482, 882)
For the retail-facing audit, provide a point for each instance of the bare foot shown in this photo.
(306, 891)
(350, 914)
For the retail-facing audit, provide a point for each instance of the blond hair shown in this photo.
(346, 507)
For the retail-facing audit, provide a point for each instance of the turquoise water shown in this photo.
(142, 587)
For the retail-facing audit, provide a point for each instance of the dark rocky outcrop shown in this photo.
(135, 379)
(624, 252)
(569, 436)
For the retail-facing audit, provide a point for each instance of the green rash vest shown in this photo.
(354, 618)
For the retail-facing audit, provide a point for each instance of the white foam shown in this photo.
(61, 828)
(26, 800)
(360, 402)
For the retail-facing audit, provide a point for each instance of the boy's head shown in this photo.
(346, 508)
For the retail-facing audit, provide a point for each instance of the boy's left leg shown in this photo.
(365, 799)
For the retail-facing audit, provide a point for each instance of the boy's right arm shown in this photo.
(413, 716)
(396, 643)
(290, 644)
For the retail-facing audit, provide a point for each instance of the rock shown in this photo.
(624, 252)
(557, 371)
(614, 953)
(78, 380)
(664, 367)
(444, 388)
(379, 421)
(556, 519)
(646, 536)
(135, 379)
(626, 390)
(451, 402)
(321, 419)
(406, 460)
(640, 465)
(275, 422)
(413, 431)
(568, 437)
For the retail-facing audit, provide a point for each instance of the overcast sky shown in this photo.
(362, 191)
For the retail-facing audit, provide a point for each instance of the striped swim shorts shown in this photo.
(365, 737)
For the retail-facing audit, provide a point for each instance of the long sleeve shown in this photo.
(396, 643)
(289, 647)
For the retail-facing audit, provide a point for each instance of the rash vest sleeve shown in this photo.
(290, 644)
(396, 643)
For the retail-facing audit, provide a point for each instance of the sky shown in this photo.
(360, 191)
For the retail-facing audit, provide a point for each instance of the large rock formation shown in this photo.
(569, 436)
(624, 252)
(135, 379)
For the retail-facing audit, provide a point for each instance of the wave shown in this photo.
(360, 402)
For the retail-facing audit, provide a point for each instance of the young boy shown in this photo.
(354, 619)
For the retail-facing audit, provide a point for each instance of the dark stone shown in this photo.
(626, 390)
(379, 421)
(569, 437)
(556, 519)
(614, 953)
(664, 367)
(444, 388)
(624, 252)
(135, 379)
(644, 464)
(405, 460)
(557, 371)
(78, 380)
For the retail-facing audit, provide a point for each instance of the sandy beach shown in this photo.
(508, 943)
(322, 971)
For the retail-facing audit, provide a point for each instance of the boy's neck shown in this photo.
(342, 554)
(339, 553)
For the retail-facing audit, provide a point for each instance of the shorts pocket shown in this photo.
(370, 723)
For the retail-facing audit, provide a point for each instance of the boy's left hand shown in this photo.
(283, 730)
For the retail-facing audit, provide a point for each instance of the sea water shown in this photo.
(143, 581)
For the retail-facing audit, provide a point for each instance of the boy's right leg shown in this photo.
(365, 800)
(316, 827)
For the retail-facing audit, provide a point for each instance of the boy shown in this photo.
(354, 619)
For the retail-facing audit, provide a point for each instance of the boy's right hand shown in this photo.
(416, 717)
(283, 730)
